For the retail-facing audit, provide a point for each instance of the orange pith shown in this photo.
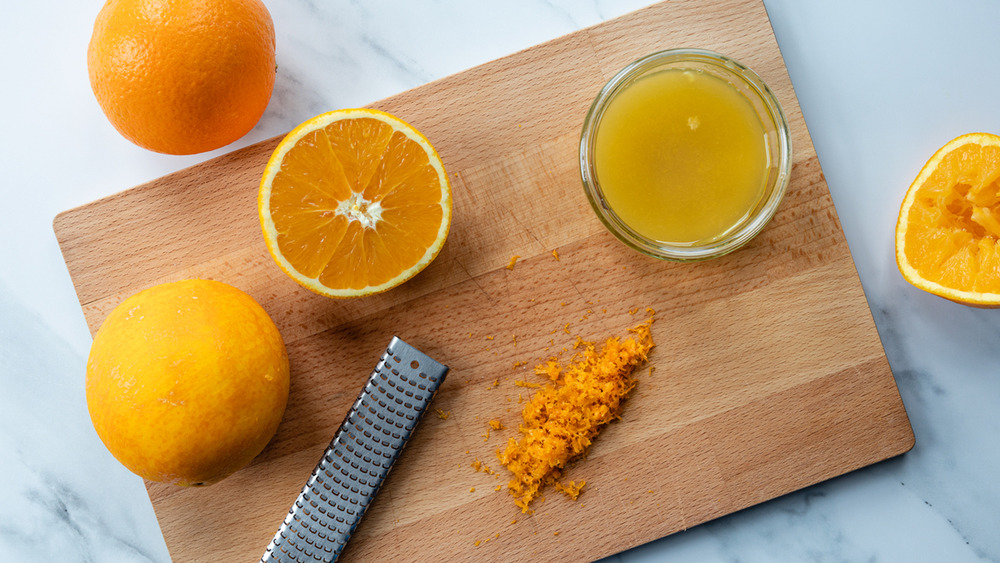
(949, 223)
(354, 202)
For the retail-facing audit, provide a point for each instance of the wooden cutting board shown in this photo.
(769, 374)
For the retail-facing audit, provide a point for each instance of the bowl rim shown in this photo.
(778, 174)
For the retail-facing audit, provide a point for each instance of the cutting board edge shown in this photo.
(61, 220)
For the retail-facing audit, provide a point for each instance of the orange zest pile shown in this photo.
(949, 223)
(562, 418)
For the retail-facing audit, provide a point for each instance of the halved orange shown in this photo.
(354, 202)
(949, 223)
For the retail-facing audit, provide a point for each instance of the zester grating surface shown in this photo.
(359, 458)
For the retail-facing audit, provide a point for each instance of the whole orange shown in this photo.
(182, 76)
(187, 381)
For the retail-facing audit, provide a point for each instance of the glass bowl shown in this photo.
(776, 152)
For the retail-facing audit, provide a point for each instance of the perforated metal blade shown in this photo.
(359, 458)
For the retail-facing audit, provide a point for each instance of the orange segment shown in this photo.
(354, 202)
(949, 223)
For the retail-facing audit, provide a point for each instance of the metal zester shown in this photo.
(359, 457)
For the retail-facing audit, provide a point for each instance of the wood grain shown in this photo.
(769, 374)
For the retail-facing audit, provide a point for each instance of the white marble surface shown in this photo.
(882, 85)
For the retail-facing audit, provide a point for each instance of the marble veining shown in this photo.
(64, 498)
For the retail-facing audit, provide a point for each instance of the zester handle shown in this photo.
(359, 457)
